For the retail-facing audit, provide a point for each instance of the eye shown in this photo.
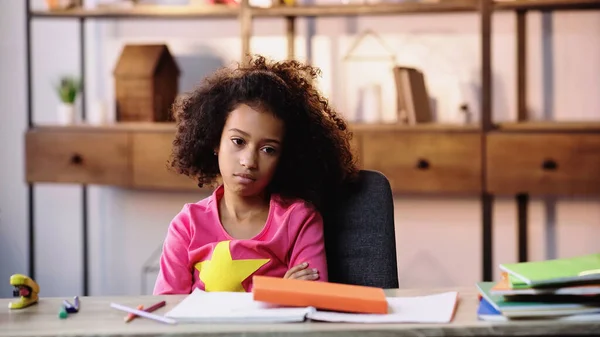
(237, 141)
(269, 150)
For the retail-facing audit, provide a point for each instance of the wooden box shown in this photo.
(146, 83)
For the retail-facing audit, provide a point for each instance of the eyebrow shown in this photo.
(248, 135)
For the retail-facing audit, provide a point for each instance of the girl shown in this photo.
(279, 152)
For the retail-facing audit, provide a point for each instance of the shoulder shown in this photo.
(200, 207)
(194, 213)
(297, 211)
(196, 208)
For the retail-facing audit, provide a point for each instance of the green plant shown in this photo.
(67, 89)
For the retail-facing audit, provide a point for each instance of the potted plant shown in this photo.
(67, 90)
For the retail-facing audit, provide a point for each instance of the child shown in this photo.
(279, 152)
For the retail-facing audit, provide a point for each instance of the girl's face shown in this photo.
(249, 150)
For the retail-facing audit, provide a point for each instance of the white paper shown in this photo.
(232, 307)
(438, 308)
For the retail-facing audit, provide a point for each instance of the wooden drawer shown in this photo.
(544, 164)
(151, 151)
(58, 156)
(425, 162)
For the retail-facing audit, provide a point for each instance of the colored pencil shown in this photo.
(155, 306)
(143, 314)
(152, 308)
(130, 317)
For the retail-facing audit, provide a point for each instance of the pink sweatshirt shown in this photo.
(199, 253)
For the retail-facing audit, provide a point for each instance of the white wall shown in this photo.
(13, 198)
(438, 238)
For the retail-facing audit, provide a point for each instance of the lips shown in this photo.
(245, 177)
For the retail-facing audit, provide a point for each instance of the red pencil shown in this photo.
(160, 304)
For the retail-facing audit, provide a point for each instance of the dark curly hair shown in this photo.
(316, 157)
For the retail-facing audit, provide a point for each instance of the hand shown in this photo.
(301, 272)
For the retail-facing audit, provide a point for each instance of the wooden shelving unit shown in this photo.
(552, 5)
(519, 158)
(537, 126)
(367, 9)
(442, 155)
(198, 12)
(144, 12)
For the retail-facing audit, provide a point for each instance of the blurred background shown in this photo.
(411, 82)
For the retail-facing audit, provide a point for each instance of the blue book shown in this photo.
(487, 312)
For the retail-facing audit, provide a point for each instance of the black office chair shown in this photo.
(360, 240)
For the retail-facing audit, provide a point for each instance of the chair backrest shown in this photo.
(359, 234)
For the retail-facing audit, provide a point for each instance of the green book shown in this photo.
(517, 283)
(579, 269)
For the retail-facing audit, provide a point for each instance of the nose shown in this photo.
(249, 159)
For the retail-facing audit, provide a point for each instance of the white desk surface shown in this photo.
(97, 318)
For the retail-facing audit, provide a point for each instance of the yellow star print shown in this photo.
(222, 273)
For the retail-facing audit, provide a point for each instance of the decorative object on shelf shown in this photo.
(413, 102)
(161, 2)
(370, 103)
(369, 69)
(90, 4)
(286, 2)
(114, 4)
(213, 2)
(201, 3)
(146, 83)
(467, 113)
(263, 3)
(98, 113)
(54, 5)
(275, 3)
(67, 90)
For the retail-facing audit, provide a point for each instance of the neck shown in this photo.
(242, 208)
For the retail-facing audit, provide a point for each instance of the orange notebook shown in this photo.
(321, 295)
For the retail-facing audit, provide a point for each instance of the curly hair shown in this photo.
(316, 158)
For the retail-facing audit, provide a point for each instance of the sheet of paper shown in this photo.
(438, 308)
(232, 307)
(215, 307)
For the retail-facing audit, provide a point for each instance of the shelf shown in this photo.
(425, 127)
(224, 11)
(356, 127)
(145, 11)
(549, 127)
(121, 126)
(366, 9)
(547, 4)
(170, 127)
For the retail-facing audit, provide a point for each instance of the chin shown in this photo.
(244, 190)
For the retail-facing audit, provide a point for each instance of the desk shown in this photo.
(96, 318)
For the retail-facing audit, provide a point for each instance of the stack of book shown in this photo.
(561, 289)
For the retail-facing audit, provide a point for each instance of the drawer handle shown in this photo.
(76, 159)
(549, 165)
(422, 164)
